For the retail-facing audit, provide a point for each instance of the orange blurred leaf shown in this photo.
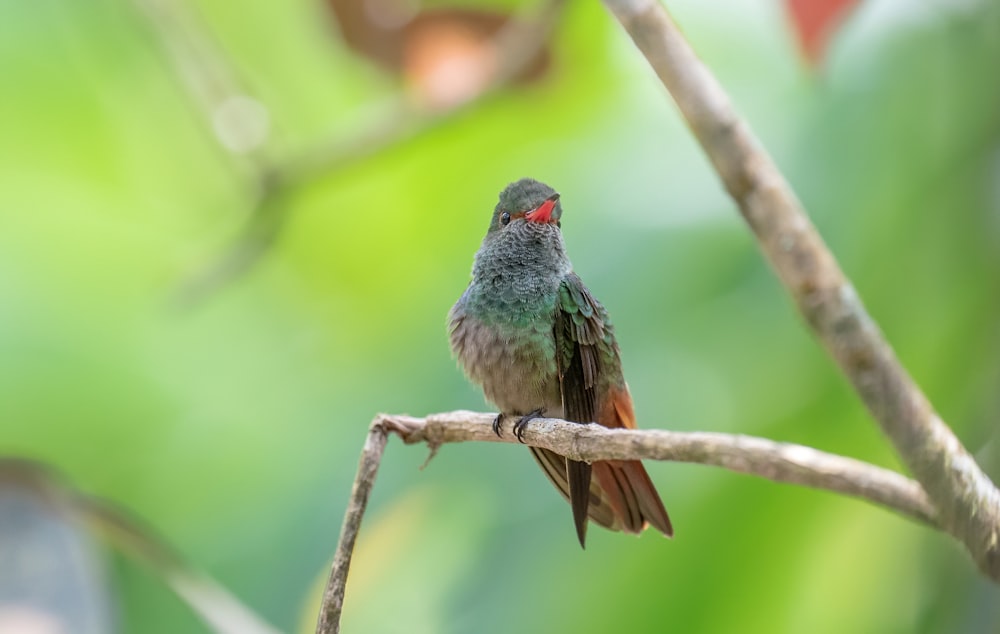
(815, 21)
(445, 56)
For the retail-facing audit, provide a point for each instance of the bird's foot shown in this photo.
(498, 424)
(524, 420)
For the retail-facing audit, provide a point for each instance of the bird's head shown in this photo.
(526, 201)
(523, 253)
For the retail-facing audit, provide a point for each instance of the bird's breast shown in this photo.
(514, 364)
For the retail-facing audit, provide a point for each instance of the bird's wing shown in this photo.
(591, 394)
(578, 330)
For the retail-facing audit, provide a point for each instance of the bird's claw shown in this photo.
(523, 421)
(498, 424)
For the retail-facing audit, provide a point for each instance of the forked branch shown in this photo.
(779, 462)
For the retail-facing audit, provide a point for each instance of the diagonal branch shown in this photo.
(967, 501)
(34, 499)
(779, 462)
(214, 604)
(211, 83)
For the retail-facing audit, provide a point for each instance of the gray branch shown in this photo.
(779, 462)
(333, 595)
(968, 503)
(775, 461)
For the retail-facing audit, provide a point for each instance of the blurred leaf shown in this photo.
(445, 56)
(814, 23)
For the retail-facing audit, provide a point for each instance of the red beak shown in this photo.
(543, 213)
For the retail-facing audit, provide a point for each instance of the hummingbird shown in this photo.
(534, 338)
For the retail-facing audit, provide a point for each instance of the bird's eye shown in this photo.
(504, 219)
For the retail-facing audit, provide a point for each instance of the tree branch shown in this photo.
(333, 595)
(967, 501)
(779, 462)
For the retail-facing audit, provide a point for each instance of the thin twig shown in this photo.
(778, 462)
(967, 501)
(207, 77)
(333, 596)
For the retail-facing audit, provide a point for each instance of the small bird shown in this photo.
(534, 338)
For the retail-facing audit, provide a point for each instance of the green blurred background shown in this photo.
(234, 424)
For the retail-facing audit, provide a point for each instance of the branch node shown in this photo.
(433, 446)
